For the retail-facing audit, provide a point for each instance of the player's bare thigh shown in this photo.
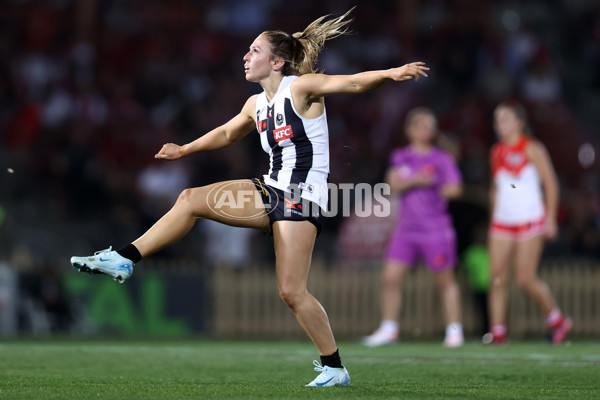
(501, 251)
(527, 257)
(236, 203)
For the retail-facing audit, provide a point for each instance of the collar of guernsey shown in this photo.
(298, 147)
(500, 151)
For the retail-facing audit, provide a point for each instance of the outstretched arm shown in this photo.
(314, 86)
(223, 136)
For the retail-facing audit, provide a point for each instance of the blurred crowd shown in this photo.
(90, 90)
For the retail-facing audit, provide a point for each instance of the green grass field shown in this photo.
(279, 370)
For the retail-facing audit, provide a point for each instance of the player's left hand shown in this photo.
(409, 71)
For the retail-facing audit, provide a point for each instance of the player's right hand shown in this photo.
(169, 151)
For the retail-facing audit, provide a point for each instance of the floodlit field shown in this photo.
(279, 370)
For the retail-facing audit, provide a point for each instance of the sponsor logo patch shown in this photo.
(428, 169)
(291, 204)
(283, 133)
(439, 260)
(293, 207)
(262, 126)
(305, 186)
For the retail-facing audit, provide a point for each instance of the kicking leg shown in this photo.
(235, 203)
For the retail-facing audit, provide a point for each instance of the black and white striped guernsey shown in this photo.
(298, 147)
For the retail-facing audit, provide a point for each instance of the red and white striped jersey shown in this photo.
(519, 197)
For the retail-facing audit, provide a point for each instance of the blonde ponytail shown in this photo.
(301, 50)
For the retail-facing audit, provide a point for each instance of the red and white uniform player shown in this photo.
(519, 211)
(524, 201)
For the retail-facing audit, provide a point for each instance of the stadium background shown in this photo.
(90, 90)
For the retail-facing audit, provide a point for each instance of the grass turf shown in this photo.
(279, 370)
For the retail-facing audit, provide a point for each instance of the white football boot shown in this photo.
(381, 337)
(107, 262)
(454, 340)
(330, 376)
(454, 335)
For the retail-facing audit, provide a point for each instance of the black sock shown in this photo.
(131, 252)
(332, 361)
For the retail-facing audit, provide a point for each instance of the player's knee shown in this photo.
(445, 285)
(498, 280)
(290, 296)
(525, 282)
(387, 281)
(390, 279)
(188, 202)
(184, 198)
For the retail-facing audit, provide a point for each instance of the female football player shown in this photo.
(524, 201)
(425, 177)
(290, 117)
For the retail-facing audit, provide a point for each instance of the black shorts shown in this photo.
(281, 206)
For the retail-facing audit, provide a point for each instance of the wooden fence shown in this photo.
(246, 302)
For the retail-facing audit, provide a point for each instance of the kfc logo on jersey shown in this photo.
(283, 133)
